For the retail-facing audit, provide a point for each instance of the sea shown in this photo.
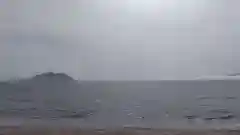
(115, 104)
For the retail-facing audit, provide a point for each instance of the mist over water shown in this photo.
(119, 40)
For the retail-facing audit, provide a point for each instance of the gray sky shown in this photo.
(119, 39)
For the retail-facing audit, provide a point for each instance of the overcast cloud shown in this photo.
(119, 40)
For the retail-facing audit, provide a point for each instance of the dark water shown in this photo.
(108, 104)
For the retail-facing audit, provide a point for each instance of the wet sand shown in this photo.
(119, 131)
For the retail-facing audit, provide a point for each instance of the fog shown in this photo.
(119, 40)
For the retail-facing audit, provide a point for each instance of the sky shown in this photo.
(119, 40)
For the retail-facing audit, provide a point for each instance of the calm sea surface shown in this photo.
(178, 104)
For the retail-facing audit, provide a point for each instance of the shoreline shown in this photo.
(117, 131)
(97, 125)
